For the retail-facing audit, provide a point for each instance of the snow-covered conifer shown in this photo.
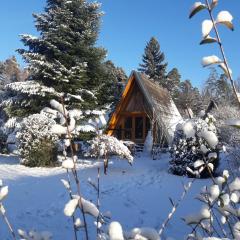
(62, 59)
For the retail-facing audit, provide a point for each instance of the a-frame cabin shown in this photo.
(144, 106)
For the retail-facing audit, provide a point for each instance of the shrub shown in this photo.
(195, 143)
(103, 146)
(228, 135)
(37, 147)
(3, 140)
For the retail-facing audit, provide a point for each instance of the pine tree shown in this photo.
(117, 79)
(188, 97)
(64, 58)
(211, 84)
(173, 81)
(224, 90)
(153, 62)
(217, 88)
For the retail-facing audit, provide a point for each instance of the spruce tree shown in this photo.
(224, 90)
(188, 97)
(153, 62)
(173, 81)
(117, 79)
(64, 57)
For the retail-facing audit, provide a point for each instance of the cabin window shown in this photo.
(139, 127)
(128, 128)
(119, 133)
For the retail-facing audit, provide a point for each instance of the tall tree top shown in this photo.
(154, 64)
(64, 57)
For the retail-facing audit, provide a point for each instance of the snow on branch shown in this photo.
(106, 145)
(31, 88)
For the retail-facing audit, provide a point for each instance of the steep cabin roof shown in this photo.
(157, 103)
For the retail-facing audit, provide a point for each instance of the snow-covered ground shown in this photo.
(135, 195)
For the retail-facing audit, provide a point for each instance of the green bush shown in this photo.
(45, 154)
(37, 146)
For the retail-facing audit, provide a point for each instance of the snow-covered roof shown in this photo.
(159, 100)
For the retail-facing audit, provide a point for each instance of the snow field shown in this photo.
(137, 196)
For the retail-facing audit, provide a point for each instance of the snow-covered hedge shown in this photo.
(228, 135)
(36, 145)
(195, 143)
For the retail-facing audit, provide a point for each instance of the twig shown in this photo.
(7, 221)
(222, 51)
(98, 199)
(74, 170)
(71, 197)
(175, 206)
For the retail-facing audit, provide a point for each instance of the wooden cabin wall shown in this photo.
(133, 108)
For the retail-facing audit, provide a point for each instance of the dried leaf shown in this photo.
(224, 68)
(228, 25)
(70, 207)
(208, 40)
(197, 7)
(209, 60)
(207, 26)
(214, 4)
(224, 17)
(3, 192)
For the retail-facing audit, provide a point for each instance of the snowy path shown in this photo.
(136, 196)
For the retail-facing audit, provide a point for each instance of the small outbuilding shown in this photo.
(144, 106)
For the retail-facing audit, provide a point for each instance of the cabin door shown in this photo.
(136, 128)
(139, 134)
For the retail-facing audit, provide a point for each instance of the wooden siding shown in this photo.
(133, 106)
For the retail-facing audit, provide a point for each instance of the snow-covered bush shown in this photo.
(195, 143)
(103, 146)
(36, 145)
(9, 129)
(227, 134)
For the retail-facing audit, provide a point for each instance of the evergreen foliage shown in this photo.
(64, 57)
(173, 81)
(217, 88)
(10, 72)
(153, 62)
(188, 97)
(154, 65)
(36, 146)
(117, 79)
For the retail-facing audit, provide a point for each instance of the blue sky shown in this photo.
(127, 26)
